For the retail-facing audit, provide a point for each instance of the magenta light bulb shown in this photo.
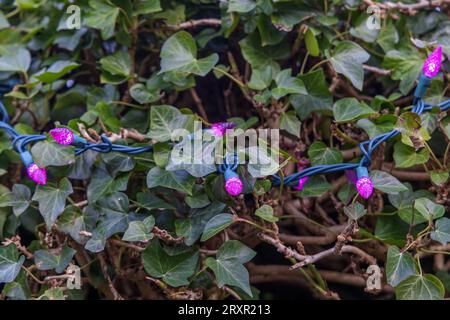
(37, 174)
(364, 186)
(432, 64)
(62, 135)
(219, 128)
(233, 186)
(301, 183)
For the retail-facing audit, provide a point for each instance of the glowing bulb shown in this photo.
(37, 174)
(62, 135)
(364, 186)
(432, 64)
(234, 186)
(219, 128)
(301, 183)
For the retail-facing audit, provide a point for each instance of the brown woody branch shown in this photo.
(197, 23)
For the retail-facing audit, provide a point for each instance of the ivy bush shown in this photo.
(328, 74)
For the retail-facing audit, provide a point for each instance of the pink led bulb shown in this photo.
(233, 186)
(62, 135)
(219, 128)
(432, 64)
(364, 186)
(37, 174)
(301, 183)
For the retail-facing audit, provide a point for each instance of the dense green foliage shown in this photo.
(141, 227)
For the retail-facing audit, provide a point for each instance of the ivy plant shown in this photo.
(326, 75)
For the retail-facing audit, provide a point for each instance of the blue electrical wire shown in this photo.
(367, 148)
(20, 142)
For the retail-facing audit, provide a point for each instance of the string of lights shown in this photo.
(357, 171)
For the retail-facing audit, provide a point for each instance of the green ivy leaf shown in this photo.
(315, 187)
(102, 183)
(262, 186)
(260, 79)
(173, 269)
(355, 211)
(287, 85)
(410, 126)
(391, 230)
(428, 209)
(420, 287)
(350, 109)
(16, 60)
(228, 265)
(216, 224)
(142, 94)
(290, 123)
(198, 200)
(362, 31)
(241, 6)
(147, 6)
(3, 21)
(18, 199)
(405, 156)
(405, 65)
(348, 59)
(18, 289)
(388, 37)
(56, 71)
(103, 17)
(114, 219)
(441, 231)
(47, 153)
(178, 180)
(116, 68)
(439, 177)
(287, 14)
(445, 278)
(318, 98)
(52, 199)
(191, 227)
(140, 230)
(403, 202)
(53, 294)
(179, 54)
(269, 34)
(10, 263)
(387, 183)
(265, 212)
(382, 124)
(319, 153)
(72, 221)
(149, 201)
(312, 45)
(262, 57)
(57, 259)
(265, 163)
(164, 120)
(399, 266)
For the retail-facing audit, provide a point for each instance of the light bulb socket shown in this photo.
(422, 86)
(362, 172)
(364, 184)
(77, 140)
(228, 174)
(26, 158)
